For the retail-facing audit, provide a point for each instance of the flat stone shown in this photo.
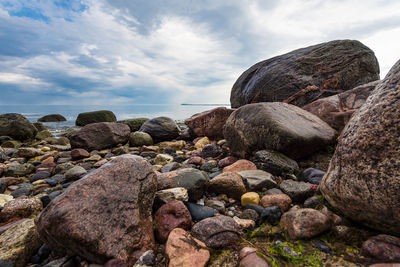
(297, 191)
(240, 165)
(258, 180)
(199, 212)
(171, 194)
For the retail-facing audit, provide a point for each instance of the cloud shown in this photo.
(168, 51)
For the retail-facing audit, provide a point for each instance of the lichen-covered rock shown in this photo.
(323, 69)
(276, 126)
(94, 117)
(17, 127)
(106, 214)
(364, 170)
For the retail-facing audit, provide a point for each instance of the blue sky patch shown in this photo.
(29, 13)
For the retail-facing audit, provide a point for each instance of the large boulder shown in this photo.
(364, 170)
(307, 74)
(52, 118)
(95, 116)
(100, 135)
(161, 129)
(276, 126)
(134, 124)
(210, 122)
(337, 110)
(106, 214)
(17, 127)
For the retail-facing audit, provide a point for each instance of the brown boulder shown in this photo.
(172, 215)
(79, 153)
(240, 165)
(384, 248)
(229, 183)
(105, 215)
(100, 135)
(364, 170)
(209, 123)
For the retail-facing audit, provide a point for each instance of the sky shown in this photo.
(104, 52)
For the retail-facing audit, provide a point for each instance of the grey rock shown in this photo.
(257, 180)
(275, 163)
(297, 191)
(75, 173)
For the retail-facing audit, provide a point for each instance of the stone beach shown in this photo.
(311, 180)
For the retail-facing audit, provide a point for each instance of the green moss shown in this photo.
(299, 257)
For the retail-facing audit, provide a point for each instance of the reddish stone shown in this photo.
(226, 161)
(240, 165)
(172, 215)
(249, 258)
(196, 160)
(228, 183)
(21, 207)
(48, 167)
(283, 201)
(209, 123)
(79, 153)
(385, 248)
(48, 160)
(104, 215)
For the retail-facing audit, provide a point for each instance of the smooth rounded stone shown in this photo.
(304, 223)
(312, 202)
(257, 208)
(196, 160)
(140, 139)
(75, 173)
(45, 200)
(161, 129)
(79, 153)
(240, 165)
(171, 194)
(54, 194)
(312, 176)
(228, 183)
(134, 124)
(199, 212)
(19, 243)
(4, 199)
(297, 191)
(39, 176)
(192, 179)
(250, 214)
(271, 215)
(16, 169)
(215, 204)
(123, 190)
(250, 198)
(93, 158)
(23, 189)
(249, 258)
(306, 74)
(211, 151)
(172, 166)
(172, 215)
(364, 169)
(258, 180)
(3, 187)
(27, 152)
(184, 250)
(146, 259)
(276, 126)
(384, 248)
(244, 223)
(209, 166)
(273, 191)
(59, 178)
(283, 201)
(163, 159)
(214, 174)
(201, 143)
(100, 163)
(100, 135)
(210, 122)
(86, 118)
(336, 110)
(217, 232)
(64, 167)
(16, 126)
(226, 161)
(19, 208)
(52, 118)
(41, 135)
(275, 163)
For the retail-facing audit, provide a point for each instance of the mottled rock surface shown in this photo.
(384, 248)
(16, 126)
(364, 169)
(229, 183)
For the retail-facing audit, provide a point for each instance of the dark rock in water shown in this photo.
(199, 212)
(211, 151)
(217, 232)
(209, 123)
(276, 126)
(105, 215)
(275, 163)
(39, 176)
(297, 191)
(364, 171)
(100, 135)
(95, 116)
(271, 215)
(312, 175)
(384, 248)
(52, 118)
(307, 74)
(17, 127)
(161, 129)
(337, 110)
(24, 189)
(134, 124)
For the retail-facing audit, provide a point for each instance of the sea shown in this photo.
(178, 112)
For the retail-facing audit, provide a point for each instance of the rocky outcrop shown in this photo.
(276, 126)
(106, 214)
(337, 110)
(307, 74)
(161, 129)
(209, 123)
(95, 116)
(16, 126)
(52, 118)
(364, 169)
(100, 135)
